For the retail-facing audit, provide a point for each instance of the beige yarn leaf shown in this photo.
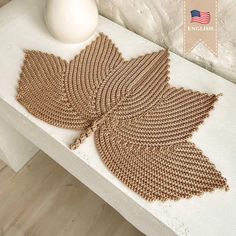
(142, 125)
(50, 87)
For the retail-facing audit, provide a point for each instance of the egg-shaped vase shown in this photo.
(71, 21)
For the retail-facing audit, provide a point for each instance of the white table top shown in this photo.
(22, 27)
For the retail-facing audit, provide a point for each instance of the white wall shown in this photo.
(161, 21)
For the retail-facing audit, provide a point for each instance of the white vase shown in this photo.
(71, 21)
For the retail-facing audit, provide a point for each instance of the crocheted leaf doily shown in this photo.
(142, 125)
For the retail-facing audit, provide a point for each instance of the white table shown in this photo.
(213, 214)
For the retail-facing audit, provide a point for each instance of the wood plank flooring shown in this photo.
(45, 200)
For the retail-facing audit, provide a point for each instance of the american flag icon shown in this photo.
(200, 17)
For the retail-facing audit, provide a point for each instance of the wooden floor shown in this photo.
(44, 199)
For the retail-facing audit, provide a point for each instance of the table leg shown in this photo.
(15, 149)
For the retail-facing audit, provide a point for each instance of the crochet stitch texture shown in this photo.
(141, 123)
